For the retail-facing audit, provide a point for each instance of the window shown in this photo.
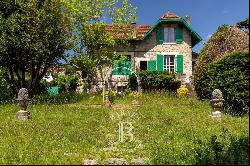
(169, 35)
(143, 65)
(169, 63)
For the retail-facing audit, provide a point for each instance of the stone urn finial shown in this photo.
(217, 102)
(107, 102)
(23, 99)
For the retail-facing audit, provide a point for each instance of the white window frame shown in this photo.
(169, 53)
(165, 32)
(166, 62)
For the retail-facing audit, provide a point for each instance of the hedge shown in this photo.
(230, 74)
(154, 80)
(225, 40)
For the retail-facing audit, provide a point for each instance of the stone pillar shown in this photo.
(217, 103)
(23, 99)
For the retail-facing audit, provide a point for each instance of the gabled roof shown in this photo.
(143, 31)
(172, 18)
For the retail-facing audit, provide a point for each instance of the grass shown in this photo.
(167, 130)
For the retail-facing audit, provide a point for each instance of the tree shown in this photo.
(93, 44)
(33, 35)
(225, 40)
(243, 24)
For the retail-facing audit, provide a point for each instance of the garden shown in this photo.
(166, 130)
(154, 120)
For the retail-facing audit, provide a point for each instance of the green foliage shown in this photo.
(112, 96)
(67, 83)
(5, 88)
(132, 82)
(33, 35)
(225, 40)
(84, 64)
(154, 80)
(244, 24)
(223, 150)
(90, 34)
(230, 74)
(42, 87)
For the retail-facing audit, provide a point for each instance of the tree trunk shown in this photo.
(23, 83)
(36, 79)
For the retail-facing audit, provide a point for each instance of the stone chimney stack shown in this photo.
(134, 30)
(187, 19)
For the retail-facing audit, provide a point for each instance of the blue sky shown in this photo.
(205, 15)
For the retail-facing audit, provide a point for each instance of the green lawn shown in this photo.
(167, 130)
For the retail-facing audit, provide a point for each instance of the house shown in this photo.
(165, 45)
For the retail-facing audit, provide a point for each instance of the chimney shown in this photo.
(133, 30)
(187, 19)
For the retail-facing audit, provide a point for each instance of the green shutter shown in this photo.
(179, 68)
(122, 67)
(127, 66)
(159, 62)
(160, 34)
(179, 35)
(152, 65)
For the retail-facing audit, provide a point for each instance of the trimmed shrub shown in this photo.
(132, 82)
(230, 74)
(225, 40)
(154, 80)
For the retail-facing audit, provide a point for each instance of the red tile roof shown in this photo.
(140, 30)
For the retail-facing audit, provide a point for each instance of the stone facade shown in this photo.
(148, 49)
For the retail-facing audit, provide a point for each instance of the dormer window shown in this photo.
(169, 35)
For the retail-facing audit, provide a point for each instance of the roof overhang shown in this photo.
(194, 35)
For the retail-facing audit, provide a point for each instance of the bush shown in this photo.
(230, 74)
(42, 87)
(154, 80)
(67, 83)
(132, 82)
(5, 88)
(225, 40)
(219, 151)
